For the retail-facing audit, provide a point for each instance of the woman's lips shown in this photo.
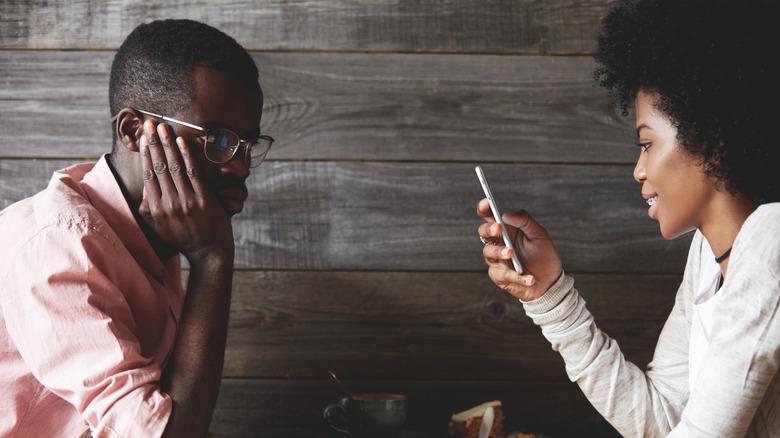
(652, 203)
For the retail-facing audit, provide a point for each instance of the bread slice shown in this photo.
(466, 424)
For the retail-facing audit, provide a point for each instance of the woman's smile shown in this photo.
(674, 184)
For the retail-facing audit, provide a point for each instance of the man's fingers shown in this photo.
(159, 163)
(144, 207)
(176, 168)
(190, 170)
(151, 187)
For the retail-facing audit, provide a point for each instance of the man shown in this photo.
(97, 335)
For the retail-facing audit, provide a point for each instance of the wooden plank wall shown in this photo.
(357, 251)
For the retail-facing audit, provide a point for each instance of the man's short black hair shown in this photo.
(712, 64)
(152, 69)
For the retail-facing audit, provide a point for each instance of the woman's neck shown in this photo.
(723, 223)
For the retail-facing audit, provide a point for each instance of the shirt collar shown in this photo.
(106, 196)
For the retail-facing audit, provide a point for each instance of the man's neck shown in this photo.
(160, 248)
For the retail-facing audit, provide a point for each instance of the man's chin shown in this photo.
(232, 207)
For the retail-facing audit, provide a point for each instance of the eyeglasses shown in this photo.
(221, 145)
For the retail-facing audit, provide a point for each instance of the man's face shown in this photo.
(223, 101)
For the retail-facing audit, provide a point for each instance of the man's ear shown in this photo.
(129, 129)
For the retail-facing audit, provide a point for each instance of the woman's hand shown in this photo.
(540, 260)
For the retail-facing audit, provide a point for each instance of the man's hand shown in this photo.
(183, 212)
(188, 218)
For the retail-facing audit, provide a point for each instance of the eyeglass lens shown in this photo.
(221, 145)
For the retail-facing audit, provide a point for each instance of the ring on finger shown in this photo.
(489, 243)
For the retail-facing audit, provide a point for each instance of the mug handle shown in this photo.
(327, 414)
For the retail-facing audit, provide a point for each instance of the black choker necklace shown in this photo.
(723, 257)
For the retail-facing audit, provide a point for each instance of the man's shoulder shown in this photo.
(63, 206)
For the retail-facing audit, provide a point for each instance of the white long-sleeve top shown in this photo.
(737, 392)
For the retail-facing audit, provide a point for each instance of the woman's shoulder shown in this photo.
(765, 214)
(758, 242)
(762, 225)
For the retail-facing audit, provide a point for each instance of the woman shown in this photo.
(701, 77)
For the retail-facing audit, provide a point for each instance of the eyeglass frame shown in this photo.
(246, 143)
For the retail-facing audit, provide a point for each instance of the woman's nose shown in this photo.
(639, 169)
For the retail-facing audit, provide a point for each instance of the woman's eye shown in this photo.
(644, 146)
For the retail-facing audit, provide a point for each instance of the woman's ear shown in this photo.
(129, 129)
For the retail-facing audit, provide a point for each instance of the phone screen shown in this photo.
(497, 217)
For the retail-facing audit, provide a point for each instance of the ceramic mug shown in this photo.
(368, 415)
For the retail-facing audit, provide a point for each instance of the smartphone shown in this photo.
(497, 217)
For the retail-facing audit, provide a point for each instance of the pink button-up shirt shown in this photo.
(88, 313)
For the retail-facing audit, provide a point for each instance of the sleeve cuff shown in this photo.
(552, 298)
(134, 417)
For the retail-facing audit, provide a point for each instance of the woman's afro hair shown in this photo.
(711, 65)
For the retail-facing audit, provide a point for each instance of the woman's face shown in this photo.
(673, 182)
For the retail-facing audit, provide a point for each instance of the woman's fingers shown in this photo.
(541, 262)
(521, 286)
(529, 228)
(494, 253)
(483, 210)
(490, 231)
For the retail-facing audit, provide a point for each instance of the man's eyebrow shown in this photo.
(251, 134)
(254, 132)
(214, 125)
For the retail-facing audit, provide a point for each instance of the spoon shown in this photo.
(340, 385)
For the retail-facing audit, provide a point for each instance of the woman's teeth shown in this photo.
(652, 200)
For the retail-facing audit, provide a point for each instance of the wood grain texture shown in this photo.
(342, 106)
(293, 408)
(421, 326)
(421, 216)
(503, 26)
(357, 250)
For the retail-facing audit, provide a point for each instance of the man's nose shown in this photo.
(237, 165)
